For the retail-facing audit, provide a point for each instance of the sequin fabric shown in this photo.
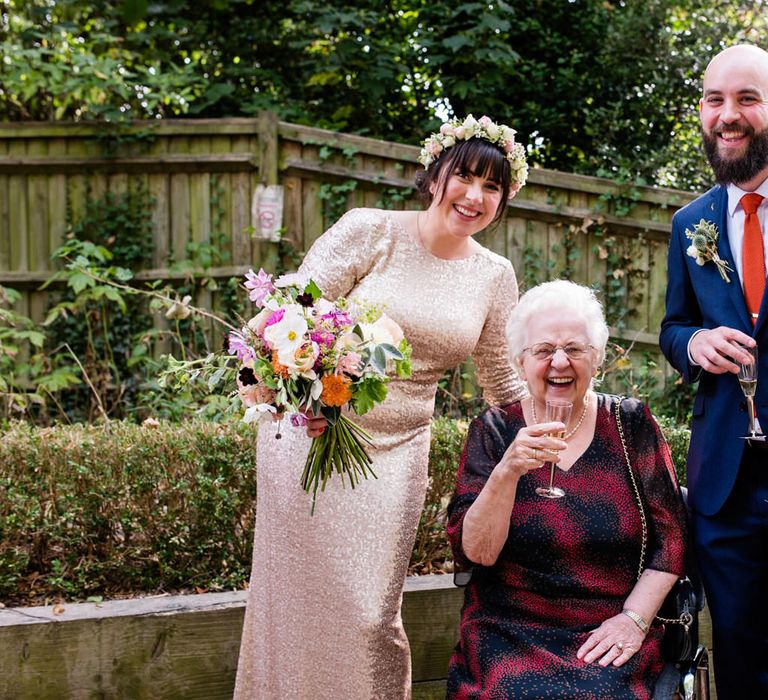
(323, 615)
(568, 564)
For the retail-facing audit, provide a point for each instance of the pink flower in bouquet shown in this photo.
(253, 394)
(259, 322)
(386, 325)
(274, 317)
(384, 330)
(349, 363)
(305, 358)
(258, 286)
(324, 338)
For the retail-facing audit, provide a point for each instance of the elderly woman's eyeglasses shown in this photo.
(546, 351)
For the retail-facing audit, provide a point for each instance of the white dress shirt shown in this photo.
(736, 218)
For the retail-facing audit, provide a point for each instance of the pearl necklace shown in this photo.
(569, 435)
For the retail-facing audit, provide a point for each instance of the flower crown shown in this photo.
(484, 128)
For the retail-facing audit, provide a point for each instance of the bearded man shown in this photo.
(716, 310)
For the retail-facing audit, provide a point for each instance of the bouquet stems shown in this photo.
(340, 449)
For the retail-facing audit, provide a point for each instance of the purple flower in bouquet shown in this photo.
(298, 420)
(241, 347)
(325, 339)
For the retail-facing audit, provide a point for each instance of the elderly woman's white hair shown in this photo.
(563, 298)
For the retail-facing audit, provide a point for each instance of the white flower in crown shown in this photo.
(499, 135)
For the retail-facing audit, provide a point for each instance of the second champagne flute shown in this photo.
(557, 410)
(748, 382)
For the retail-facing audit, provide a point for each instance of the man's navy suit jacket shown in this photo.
(697, 297)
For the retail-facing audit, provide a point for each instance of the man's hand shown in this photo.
(719, 350)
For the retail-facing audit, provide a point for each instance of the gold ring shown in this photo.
(535, 454)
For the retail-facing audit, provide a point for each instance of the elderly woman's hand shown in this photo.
(614, 642)
(532, 447)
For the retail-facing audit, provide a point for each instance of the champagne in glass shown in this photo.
(748, 382)
(557, 410)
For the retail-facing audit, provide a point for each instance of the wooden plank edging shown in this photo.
(179, 647)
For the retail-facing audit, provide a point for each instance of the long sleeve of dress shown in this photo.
(487, 440)
(343, 255)
(664, 505)
(500, 383)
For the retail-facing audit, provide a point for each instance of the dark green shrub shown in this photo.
(678, 437)
(431, 549)
(118, 508)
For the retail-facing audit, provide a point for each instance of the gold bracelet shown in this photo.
(639, 620)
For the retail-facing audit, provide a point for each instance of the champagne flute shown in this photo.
(557, 410)
(748, 382)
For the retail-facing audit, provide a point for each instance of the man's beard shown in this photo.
(742, 169)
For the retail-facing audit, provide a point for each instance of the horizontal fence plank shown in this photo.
(219, 163)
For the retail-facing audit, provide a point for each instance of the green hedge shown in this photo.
(116, 510)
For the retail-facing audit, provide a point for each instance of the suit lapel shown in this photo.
(718, 208)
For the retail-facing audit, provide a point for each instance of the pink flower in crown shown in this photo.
(434, 148)
(447, 130)
(459, 132)
(509, 145)
(259, 286)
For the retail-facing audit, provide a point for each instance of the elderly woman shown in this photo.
(559, 604)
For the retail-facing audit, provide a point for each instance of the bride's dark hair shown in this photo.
(476, 156)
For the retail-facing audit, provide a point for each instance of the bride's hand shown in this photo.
(315, 424)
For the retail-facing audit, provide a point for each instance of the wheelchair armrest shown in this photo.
(694, 676)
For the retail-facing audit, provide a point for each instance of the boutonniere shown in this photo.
(703, 247)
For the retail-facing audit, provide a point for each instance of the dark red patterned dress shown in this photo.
(567, 565)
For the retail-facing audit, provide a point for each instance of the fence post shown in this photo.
(268, 148)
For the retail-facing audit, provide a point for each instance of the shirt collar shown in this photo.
(735, 193)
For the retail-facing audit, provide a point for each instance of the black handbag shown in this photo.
(679, 611)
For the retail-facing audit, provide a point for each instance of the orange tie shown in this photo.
(752, 257)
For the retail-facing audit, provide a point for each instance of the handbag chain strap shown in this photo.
(641, 508)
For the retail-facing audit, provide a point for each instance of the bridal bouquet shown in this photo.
(303, 353)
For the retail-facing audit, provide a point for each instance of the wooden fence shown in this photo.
(202, 176)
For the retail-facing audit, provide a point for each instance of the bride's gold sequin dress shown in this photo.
(323, 615)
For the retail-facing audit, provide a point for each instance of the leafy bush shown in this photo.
(678, 437)
(431, 550)
(117, 508)
(121, 509)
